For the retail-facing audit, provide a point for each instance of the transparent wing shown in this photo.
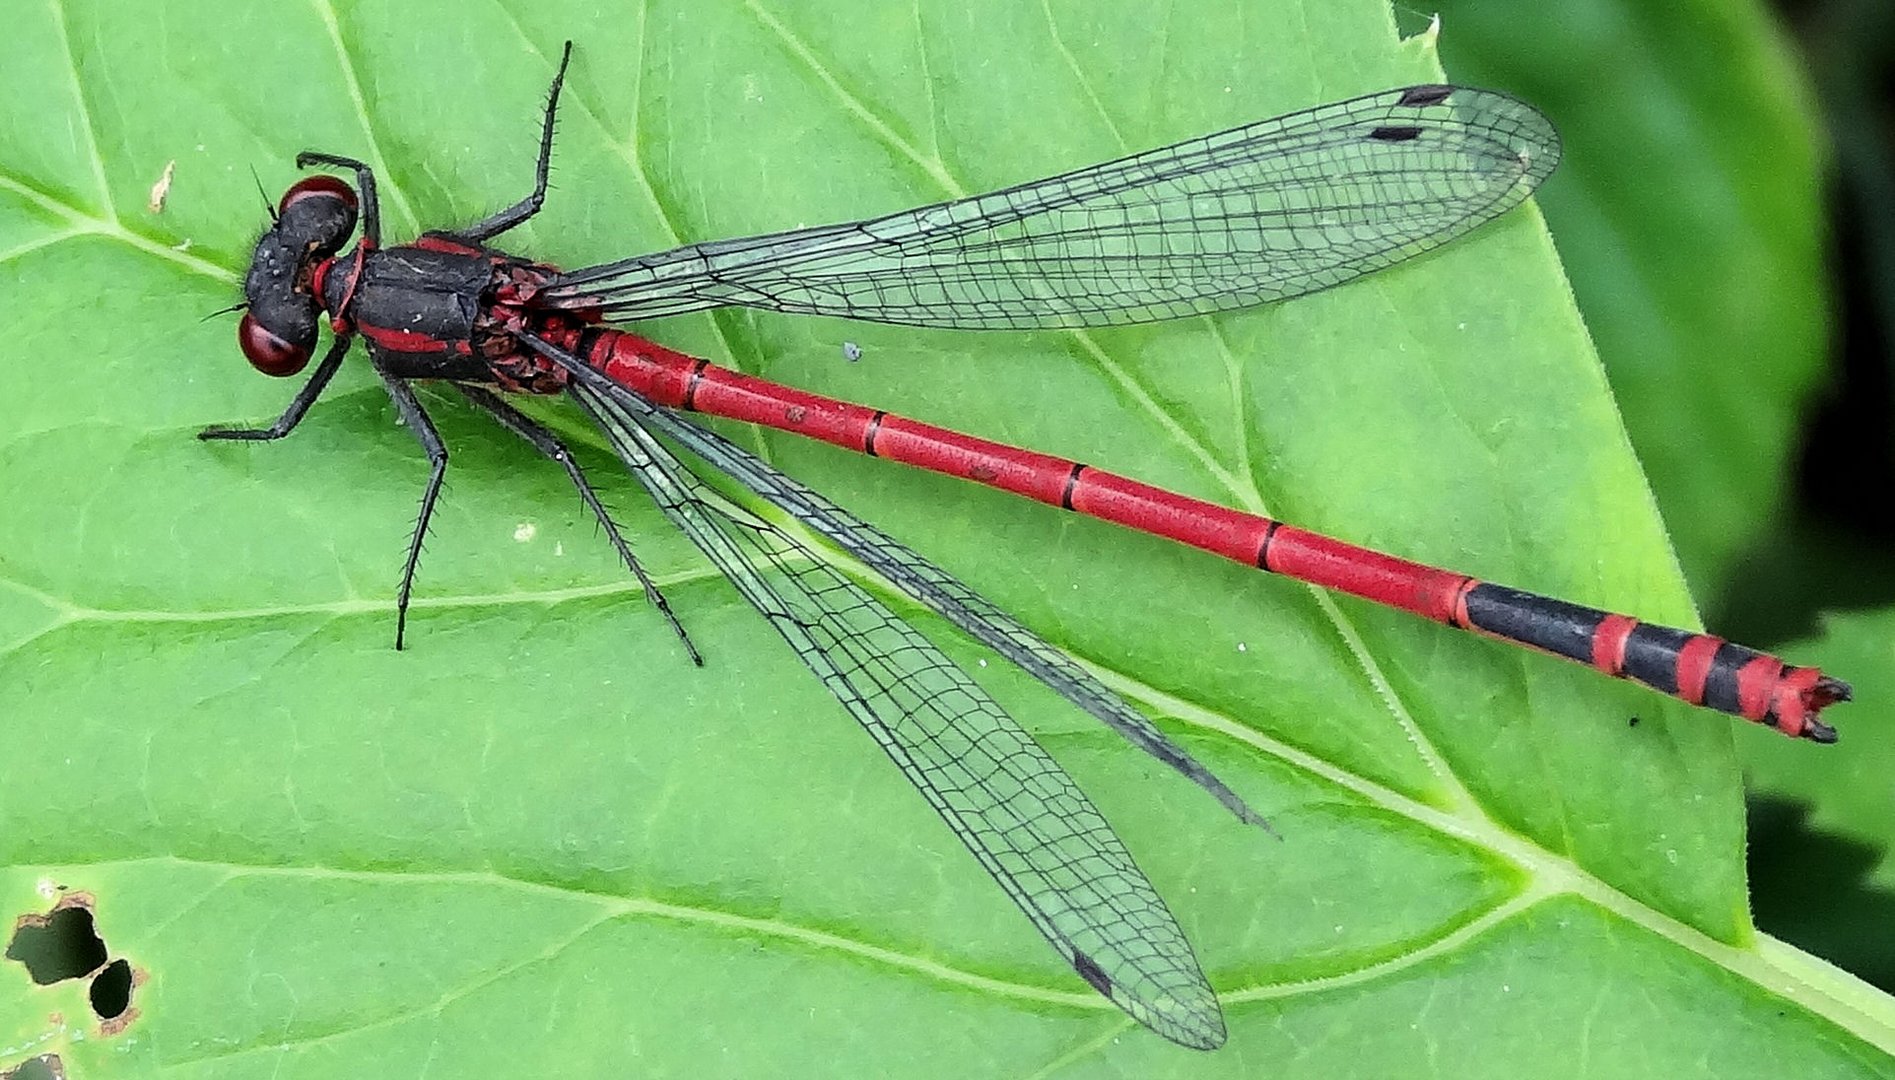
(917, 577)
(1263, 212)
(1019, 813)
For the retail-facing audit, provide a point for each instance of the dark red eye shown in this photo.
(269, 353)
(320, 184)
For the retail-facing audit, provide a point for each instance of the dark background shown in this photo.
(1817, 558)
(1836, 546)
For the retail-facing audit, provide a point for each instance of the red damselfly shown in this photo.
(1263, 212)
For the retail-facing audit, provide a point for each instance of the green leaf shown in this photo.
(1828, 842)
(540, 840)
(1690, 217)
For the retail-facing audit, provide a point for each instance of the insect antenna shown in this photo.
(268, 206)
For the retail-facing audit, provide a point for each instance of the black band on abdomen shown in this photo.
(1531, 619)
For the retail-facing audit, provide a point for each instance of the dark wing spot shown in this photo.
(1396, 133)
(1429, 94)
(1091, 972)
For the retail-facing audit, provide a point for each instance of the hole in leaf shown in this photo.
(59, 945)
(43, 1067)
(112, 990)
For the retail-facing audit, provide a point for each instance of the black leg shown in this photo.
(298, 406)
(548, 444)
(506, 219)
(364, 187)
(417, 420)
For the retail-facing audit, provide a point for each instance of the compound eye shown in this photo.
(320, 184)
(268, 352)
(317, 214)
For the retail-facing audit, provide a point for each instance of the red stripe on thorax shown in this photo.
(339, 319)
(408, 341)
(430, 242)
(319, 276)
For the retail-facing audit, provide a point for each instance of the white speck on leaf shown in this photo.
(525, 531)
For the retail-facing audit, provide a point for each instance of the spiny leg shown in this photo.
(298, 406)
(364, 187)
(513, 215)
(548, 444)
(423, 428)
